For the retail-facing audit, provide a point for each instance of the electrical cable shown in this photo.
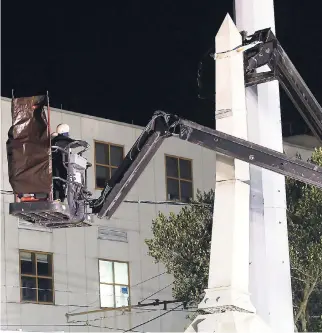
(175, 203)
(182, 310)
(156, 292)
(122, 314)
(69, 291)
(148, 279)
(200, 67)
(133, 286)
(117, 315)
(62, 325)
(111, 328)
(152, 319)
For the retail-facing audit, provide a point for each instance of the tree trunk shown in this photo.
(303, 322)
(301, 315)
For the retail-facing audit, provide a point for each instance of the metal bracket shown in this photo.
(270, 52)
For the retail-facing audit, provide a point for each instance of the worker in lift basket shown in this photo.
(61, 139)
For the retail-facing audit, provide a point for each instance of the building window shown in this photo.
(36, 277)
(179, 178)
(114, 284)
(108, 157)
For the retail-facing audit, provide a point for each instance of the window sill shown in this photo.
(38, 303)
(117, 309)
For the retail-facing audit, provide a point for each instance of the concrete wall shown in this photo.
(76, 250)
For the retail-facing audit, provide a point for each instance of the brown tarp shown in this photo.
(28, 147)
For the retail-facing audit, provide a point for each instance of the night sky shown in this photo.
(123, 60)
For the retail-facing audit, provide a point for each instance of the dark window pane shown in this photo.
(27, 263)
(116, 155)
(28, 285)
(186, 191)
(113, 171)
(45, 292)
(43, 264)
(173, 189)
(101, 153)
(185, 169)
(102, 176)
(172, 166)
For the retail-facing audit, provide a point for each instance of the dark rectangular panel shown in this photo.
(28, 147)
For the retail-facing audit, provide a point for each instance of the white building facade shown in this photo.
(46, 274)
(98, 266)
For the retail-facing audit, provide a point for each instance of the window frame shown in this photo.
(36, 276)
(110, 167)
(178, 178)
(114, 284)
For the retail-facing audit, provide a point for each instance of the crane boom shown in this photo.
(267, 51)
(263, 49)
(234, 147)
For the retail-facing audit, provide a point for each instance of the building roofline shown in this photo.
(303, 144)
(285, 140)
(87, 116)
(297, 146)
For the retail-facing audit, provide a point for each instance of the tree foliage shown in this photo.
(182, 243)
(304, 203)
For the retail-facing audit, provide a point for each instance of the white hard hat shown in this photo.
(62, 129)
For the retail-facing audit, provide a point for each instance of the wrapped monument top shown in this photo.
(28, 147)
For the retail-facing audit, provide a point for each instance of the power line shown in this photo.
(173, 203)
(39, 325)
(155, 293)
(115, 315)
(135, 285)
(82, 293)
(111, 328)
(121, 308)
(62, 325)
(154, 318)
(148, 279)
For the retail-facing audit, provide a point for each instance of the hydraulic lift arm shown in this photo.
(269, 52)
(164, 125)
(263, 49)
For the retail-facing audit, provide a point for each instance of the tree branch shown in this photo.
(306, 295)
(296, 278)
(308, 275)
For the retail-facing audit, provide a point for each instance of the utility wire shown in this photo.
(62, 325)
(111, 328)
(148, 279)
(83, 293)
(115, 315)
(152, 319)
(156, 292)
(39, 325)
(135, 285)
(175, 203)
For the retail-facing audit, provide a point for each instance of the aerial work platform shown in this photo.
(29, 149)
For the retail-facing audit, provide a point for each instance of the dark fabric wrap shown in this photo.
(28, 147)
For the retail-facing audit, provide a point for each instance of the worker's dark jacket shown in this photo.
(59, 169)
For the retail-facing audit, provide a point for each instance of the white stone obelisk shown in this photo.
(270, 282)
(227, 300)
